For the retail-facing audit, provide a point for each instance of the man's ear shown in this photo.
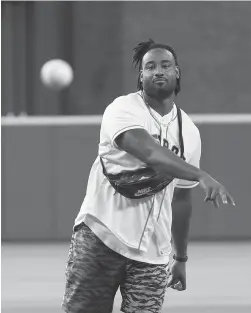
(177, 70)
(141, 75)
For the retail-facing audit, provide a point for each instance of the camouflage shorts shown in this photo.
(94, 273)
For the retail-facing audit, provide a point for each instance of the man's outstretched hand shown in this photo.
(177, 279)
(214, 190)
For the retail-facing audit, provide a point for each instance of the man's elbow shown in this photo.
(151, 158)
(155, 159)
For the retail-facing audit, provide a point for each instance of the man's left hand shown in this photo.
(177, 279)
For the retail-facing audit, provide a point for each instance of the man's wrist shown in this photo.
(201, 175)
(182, 258)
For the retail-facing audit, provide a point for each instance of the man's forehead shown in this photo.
(156, 54)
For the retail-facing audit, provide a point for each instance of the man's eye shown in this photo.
(150, 68)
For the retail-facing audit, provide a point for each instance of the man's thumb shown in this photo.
(171, 281)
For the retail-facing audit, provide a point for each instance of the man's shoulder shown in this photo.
(124, 101)
(187, 120)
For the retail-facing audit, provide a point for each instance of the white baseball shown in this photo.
(56, 74)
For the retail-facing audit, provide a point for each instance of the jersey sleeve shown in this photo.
(195, 161)
(120, 117)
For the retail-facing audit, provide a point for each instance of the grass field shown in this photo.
(218, 279)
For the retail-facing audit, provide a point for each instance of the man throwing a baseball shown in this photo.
(122, 237)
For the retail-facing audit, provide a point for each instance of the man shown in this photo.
(123, 242)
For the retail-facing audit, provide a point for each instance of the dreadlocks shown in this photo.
(142, 48)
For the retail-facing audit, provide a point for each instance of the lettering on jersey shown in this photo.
(142, 191)
(157, 137)
(174, 148)
(165, 143)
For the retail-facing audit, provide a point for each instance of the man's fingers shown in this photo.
(230, 199)
(183, 283)
(172, 282)
(223, 197)
(214, 198)
(227, 198)
(208, 195)
(216, 190)
(216, 201)
(178, 286)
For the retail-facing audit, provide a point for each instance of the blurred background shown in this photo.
(47, 153)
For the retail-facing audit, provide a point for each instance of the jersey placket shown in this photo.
(162, 240)
(152, 224)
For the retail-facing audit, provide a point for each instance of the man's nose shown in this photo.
(159, 71)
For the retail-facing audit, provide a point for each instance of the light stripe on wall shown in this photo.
(96, 120)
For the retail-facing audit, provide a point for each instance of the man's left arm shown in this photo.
(181, 211)
(182, 203)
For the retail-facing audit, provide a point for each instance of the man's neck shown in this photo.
(163, 106)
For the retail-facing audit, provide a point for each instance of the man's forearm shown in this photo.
(165, 161)
(143, 146)
(182, 211)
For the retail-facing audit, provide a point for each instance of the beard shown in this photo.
(159, 92)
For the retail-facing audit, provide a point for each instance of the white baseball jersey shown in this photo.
(139, 229)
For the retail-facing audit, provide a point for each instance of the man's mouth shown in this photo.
(159, 80)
